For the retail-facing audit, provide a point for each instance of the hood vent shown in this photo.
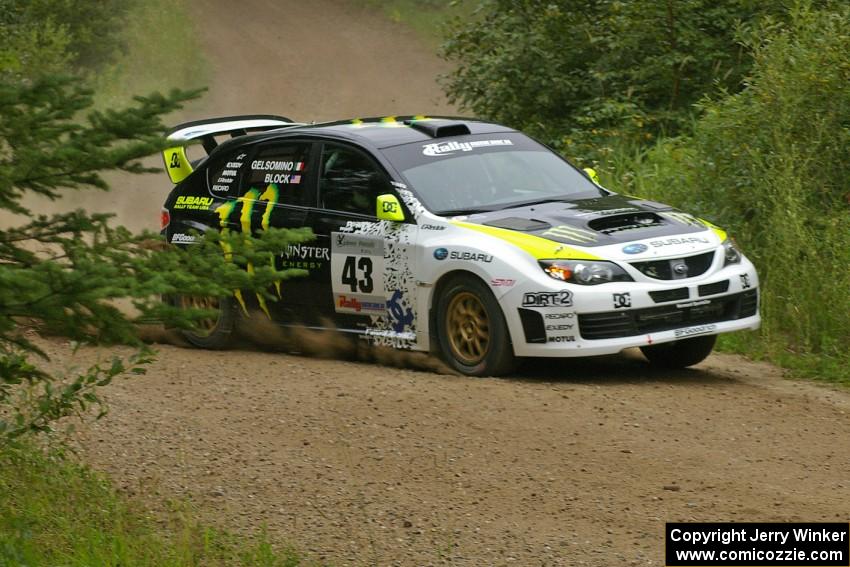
(439, 128)
(630, 221)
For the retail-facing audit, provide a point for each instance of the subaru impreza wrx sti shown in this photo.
(456, 236)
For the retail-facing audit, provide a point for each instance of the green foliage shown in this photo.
(771, 163)
(736, 110)
(578, 73)
(65, 272)
(43, 36)
(29, 47)
(54, 512)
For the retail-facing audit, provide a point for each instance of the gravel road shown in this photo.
(570, 463)
(577, 462)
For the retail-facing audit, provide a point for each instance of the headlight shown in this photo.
(585, 272)
(731, 255)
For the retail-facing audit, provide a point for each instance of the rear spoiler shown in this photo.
(177, 164)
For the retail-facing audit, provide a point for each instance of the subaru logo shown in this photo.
(441, 253)
(635, 248)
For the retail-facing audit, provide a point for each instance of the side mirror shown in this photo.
(592, 174)
(388, 208)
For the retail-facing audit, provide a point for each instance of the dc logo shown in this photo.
(622, 300)
(401, 318)
(390, 207)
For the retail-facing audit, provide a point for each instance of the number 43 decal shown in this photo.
(358, 278)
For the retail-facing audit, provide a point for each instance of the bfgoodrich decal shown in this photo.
(698, 330)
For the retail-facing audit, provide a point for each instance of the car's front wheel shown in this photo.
(471, 329)
(216, 332)
(679, 354)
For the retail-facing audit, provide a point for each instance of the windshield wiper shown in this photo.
(535, 202)
(468, 211)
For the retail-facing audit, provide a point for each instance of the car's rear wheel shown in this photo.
(216, 332)
(680, 354)
(471, 329)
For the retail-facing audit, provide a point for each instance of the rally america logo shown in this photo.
(446, 148)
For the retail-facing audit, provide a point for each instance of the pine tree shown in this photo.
(63, 273)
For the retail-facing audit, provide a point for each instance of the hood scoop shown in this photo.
(625, 222)
(521, 224)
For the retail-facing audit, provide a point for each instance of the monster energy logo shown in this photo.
(570, 233)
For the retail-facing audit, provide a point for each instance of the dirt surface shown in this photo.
(565, 463)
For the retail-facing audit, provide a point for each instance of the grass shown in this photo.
(162, 52)
(54, 511)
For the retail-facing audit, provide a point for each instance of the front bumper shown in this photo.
(608, 318)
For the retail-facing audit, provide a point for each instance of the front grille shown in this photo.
(713, 288)
(615, 324)
(666, 269)
(669, 295)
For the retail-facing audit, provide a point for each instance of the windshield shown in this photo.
(487, 172)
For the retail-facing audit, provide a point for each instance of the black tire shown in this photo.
(213, 334)
(679, 354)
(471, 329)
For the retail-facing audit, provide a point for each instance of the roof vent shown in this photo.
(441, 129)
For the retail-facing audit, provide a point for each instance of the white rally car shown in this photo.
(457, 236)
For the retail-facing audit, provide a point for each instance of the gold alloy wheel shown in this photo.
(204, 327)
(468, 328)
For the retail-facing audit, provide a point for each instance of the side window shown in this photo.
(223, 176)
(349, 181)
(283, 165)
